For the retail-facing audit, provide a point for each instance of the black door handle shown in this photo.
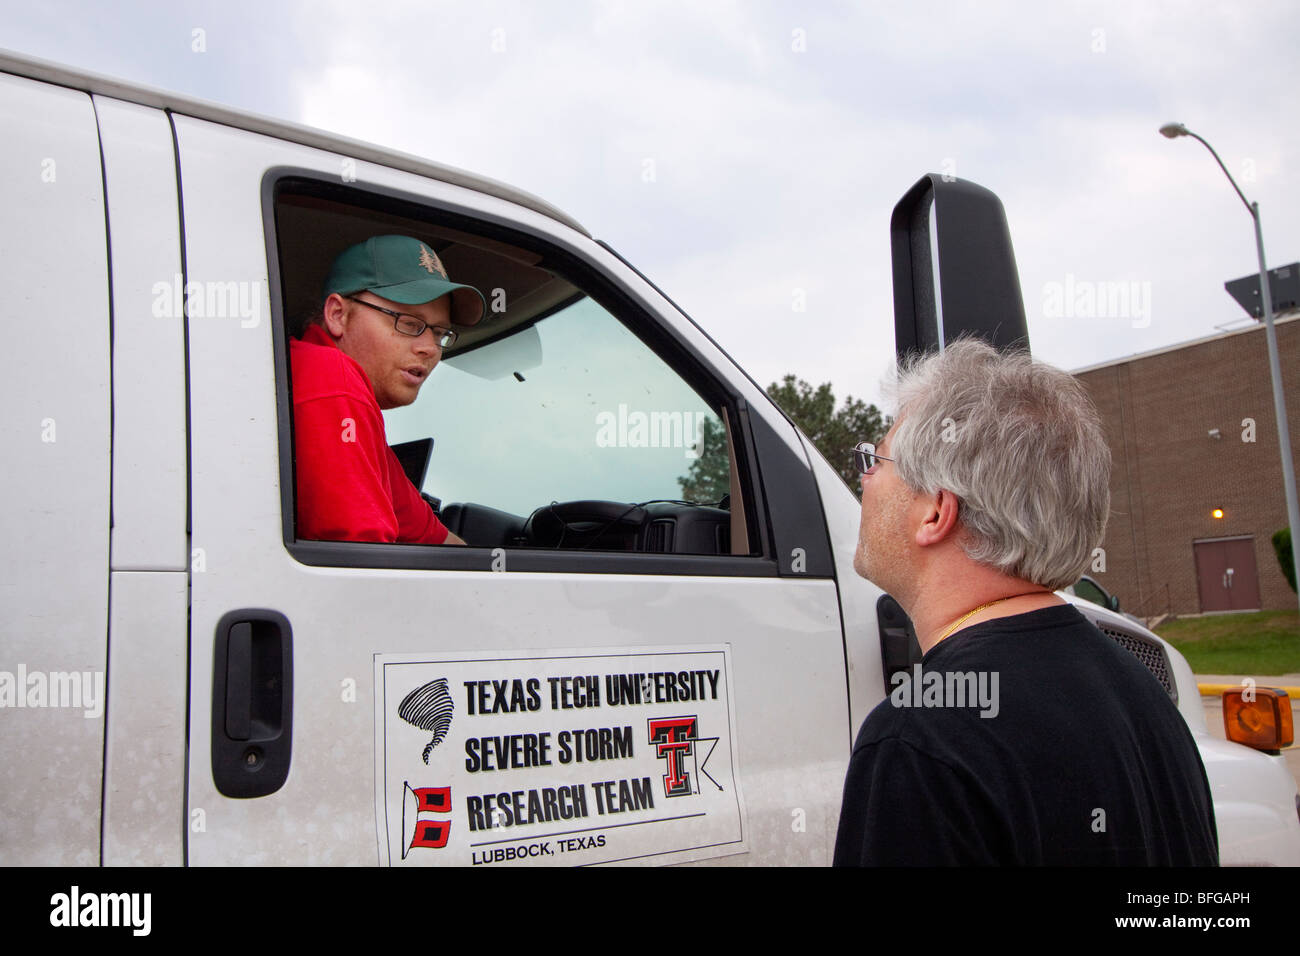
(252, 703)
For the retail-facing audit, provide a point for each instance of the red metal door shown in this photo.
(1226, 574)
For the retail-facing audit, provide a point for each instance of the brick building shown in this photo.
(1179, 422)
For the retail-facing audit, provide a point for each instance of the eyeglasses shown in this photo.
(865, 457)
(412, 325)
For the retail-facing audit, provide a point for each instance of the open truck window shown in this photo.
(564, 421)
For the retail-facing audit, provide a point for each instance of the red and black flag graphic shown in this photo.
(425, 832)
(430, 833)
(432, 799)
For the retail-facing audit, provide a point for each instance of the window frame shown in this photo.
(695, 369)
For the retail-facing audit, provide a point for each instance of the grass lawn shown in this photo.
(1260, 643)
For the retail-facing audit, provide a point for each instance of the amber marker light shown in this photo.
(1217, 513)
(1263, 723)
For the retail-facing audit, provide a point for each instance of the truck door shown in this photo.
(640, 655)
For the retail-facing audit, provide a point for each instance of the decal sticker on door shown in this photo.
(556, 757)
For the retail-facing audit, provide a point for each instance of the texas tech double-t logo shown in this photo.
(674, 740)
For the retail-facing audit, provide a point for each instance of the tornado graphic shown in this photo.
(429, 707)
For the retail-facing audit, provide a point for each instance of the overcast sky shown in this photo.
(746, 155)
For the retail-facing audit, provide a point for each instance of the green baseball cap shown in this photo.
(405, 270)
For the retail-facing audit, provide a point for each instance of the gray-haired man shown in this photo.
(1027, 737)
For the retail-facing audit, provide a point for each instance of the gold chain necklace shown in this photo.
(969, 614)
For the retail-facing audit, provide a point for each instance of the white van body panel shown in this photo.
(54, 488)
(149, 465)
(1254, 804)
(144, 757)
(144, 754)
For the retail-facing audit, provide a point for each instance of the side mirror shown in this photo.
(954, 268)
(899, 648)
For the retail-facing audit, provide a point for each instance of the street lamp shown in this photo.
(1173, 131)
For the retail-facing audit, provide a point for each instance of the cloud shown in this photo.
(739, 151)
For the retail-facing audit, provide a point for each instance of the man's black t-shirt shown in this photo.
(1080, 758)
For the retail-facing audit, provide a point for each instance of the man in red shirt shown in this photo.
(388, 314)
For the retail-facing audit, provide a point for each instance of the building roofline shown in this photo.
(1178, 346)
(20, 64)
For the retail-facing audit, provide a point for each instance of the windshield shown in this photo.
(573, 407)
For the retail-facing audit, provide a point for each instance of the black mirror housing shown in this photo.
(969, 252)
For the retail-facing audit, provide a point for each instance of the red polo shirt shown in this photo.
(351, 486)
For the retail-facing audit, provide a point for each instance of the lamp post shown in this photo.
(1173, 131)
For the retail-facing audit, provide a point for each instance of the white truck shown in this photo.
(612, 671)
